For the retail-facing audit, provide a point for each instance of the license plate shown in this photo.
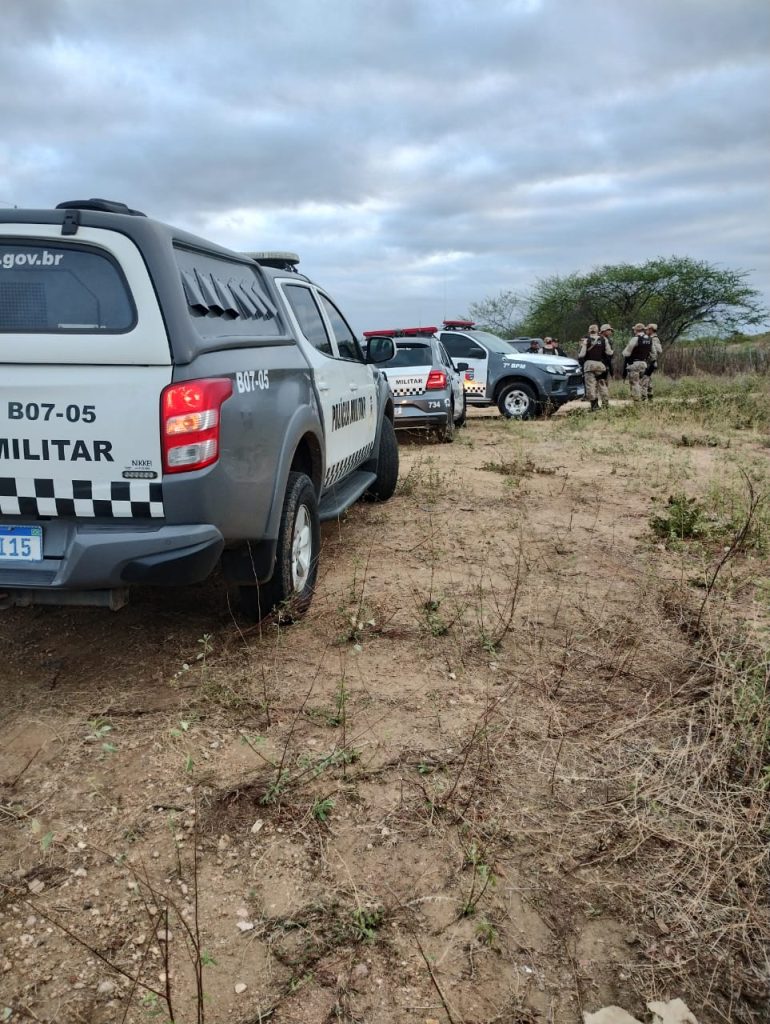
(21, 543)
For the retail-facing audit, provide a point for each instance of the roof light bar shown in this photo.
(402, 332)
(459, 325)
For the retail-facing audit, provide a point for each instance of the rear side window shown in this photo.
(458, 346)
(225, 297)
(53, 288)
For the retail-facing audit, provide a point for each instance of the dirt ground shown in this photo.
(428, 801)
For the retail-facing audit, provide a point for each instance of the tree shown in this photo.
(677, 293)
(498, 313)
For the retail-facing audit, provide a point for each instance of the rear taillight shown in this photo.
(436, 381)
(189, 423)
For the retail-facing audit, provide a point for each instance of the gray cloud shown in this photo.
(420, 155)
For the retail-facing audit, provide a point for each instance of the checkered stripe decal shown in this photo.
(405, 384)
(473, 387)
(402, 392)
(118, 499)
(347, 465)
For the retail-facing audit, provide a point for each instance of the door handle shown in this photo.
(322, 385)
(354, 387)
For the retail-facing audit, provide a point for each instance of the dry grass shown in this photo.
(698, 808)
(686, 824)
(513, 764)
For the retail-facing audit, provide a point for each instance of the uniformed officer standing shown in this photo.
(551, 347)
(652, 331)
(639, 354)
(595, 357)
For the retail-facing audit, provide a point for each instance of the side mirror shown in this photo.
(462, 367)
(380, 350)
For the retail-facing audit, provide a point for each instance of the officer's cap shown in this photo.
(652, 327)
(639, 327)
(607, 327)
(592, 328)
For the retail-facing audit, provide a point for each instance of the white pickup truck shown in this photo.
(167, 405)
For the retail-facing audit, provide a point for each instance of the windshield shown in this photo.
(411, 355)
(492, 342)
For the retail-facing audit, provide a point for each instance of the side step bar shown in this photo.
(341, 496)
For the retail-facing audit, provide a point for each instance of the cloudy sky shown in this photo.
(420, 155)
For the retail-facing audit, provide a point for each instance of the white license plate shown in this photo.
(21, 543)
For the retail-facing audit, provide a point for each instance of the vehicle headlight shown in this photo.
(559, 371)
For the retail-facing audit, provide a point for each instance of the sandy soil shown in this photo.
(410, 806)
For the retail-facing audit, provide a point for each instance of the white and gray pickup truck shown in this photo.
(520, 384)
(168, 405)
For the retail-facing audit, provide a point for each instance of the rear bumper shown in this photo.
(79, 556)
(415, 412)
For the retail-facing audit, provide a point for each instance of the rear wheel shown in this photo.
(517, 402)
(446, 432)
(460, 421)
(387, 464)
(290, 588)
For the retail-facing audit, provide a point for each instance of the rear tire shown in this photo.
(460, 421)
(446, 432)
(289, 590)
(387, 464)
(517, 402)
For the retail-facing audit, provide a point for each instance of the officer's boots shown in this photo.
(594, 405)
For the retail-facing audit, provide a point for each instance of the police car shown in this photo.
(167, 405)
(427, 389)
(521, 384)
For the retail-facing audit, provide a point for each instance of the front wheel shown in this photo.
(290, 588)
(517, 402)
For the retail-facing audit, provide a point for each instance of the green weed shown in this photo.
(486, 934)
(434, 620)
(366, 921)
(482, 879)
(684, 519)
(322, 808)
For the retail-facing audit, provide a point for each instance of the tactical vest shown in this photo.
(642, 350)
(595, 349)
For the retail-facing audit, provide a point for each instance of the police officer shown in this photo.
(652, 331)
(639, 354)
(595, 357)
(551, 347)
(534, 346)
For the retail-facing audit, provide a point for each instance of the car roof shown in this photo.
(140, 228)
